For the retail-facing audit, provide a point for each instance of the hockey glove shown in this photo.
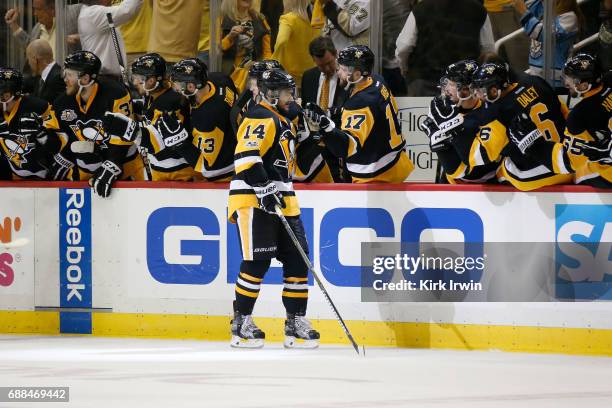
(172, 131)
(119, 125)
(445, 114)
(269, 197)
(60, 167)
(437, 139)
(523, 132)
(103, 179)
(600, 152)
(317, 116)
(32, 128)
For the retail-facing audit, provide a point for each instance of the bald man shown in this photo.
(49, 84)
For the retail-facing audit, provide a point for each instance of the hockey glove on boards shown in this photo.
(523, 132)
(60, 166)
(103, 179)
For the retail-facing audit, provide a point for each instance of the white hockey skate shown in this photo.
(245, 333)
(299, 333)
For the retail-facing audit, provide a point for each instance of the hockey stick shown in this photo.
(316, 276)
(144, 154)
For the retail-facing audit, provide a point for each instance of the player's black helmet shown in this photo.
(150, 65)
(461, 72)
(84, 62)
(259, 67)
(360, 57)
(11, 81)
(583, 67)
(491, 74)
(190, 70)
(272, 82)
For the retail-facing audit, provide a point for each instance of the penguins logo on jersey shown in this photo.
(91, 130)
(17, 148)
(287, 145)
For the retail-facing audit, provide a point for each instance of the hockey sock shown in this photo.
(295, 287)
(248, 284)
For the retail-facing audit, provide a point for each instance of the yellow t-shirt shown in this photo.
(291, 48)
(204, 43)
(136, 32)
(177, 29)
(494, 6)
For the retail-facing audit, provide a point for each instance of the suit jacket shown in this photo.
(53, 87)
(310, 88)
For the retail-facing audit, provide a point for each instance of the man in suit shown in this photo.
(49, 83)
(320, 86)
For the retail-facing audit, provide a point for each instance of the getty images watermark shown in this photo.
(409, 265)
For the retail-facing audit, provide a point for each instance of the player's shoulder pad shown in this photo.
(34, 104)
(112, 89)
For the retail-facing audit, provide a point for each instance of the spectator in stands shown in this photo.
(320, 86)
(44, 12)
(605, 42)
(204, 41)
(395, 13)
(272, 9)
(176, 29)
(96, 36)
(245, 37)
(438, 33)
(294, 35)
(348, 21)
(136, 33)
(505, 20)
(568, 21)
(49, 82)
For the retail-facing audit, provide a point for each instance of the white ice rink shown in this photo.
(104, 372)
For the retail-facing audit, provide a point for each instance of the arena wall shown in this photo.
(160, 259)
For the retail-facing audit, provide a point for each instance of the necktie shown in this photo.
(324, 98)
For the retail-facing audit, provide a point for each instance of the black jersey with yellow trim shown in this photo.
(210, 151)
(75, 120)
(26, 158)
(265, 152)
(170, 101)
(370, 135)
(543, 165)
(589, 121)
(457, 161)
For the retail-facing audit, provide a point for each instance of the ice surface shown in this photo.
(117, 372)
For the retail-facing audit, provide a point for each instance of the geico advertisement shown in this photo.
(181, 245)
(16, 244)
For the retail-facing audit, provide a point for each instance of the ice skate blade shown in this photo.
(295, 343)
(238, 342)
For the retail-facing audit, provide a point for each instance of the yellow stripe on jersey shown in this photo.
(51, 121)
(398, 173)
(460, 172)
(295, 294)
(254, 135)
(549, 179)
(359, 124)
(493, 138)
(239, 201)
(296, 280)
(593, 170)
(564, 109)
(209, 144)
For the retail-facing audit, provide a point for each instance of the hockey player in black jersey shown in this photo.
(23, 140)
(522, 123)
(152, 83)
(209, 141)
(370, 135)
(87, 151)
(589, 124)
(452, 125)
(264, 160)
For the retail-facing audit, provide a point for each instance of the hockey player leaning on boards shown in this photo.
(523, 123)
(370, 136)
(87, 151)
(23, 139)
(264, 164)
(151, 81)
(587, 136)
(210, 147)
(452, 125)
